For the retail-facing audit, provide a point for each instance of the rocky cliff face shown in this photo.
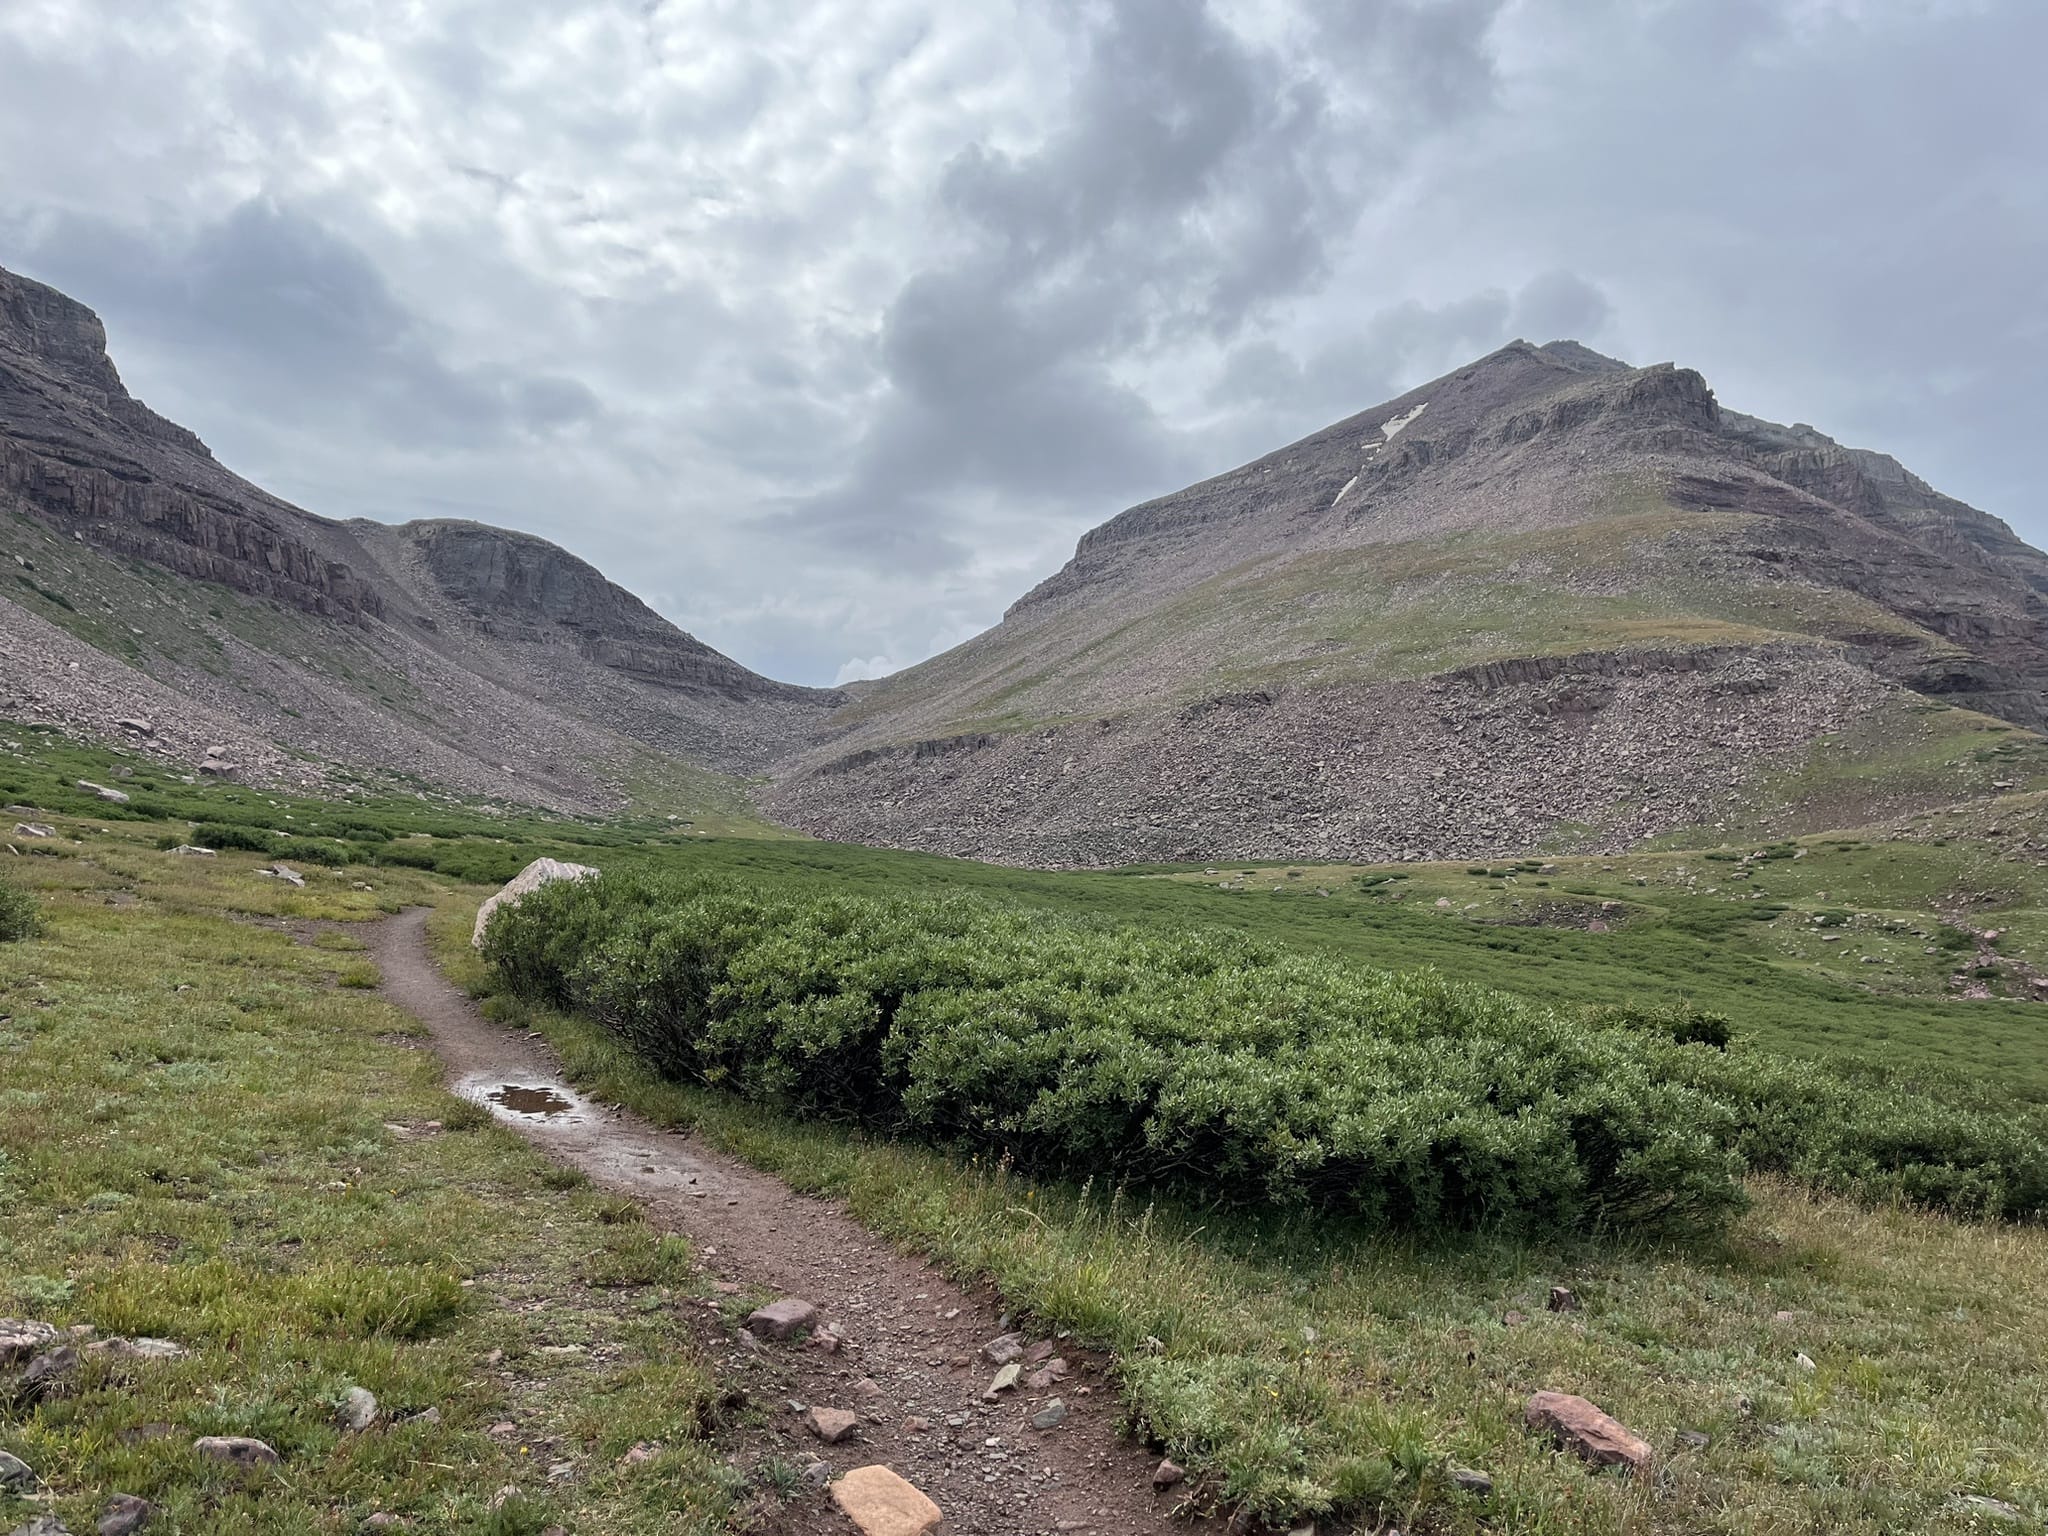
(514, 585)
(475, 656)
(78, 450)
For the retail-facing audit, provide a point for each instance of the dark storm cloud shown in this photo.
(1197, 178)
(292, 320)
(828, 324)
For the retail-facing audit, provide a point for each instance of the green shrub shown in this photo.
(223, 834)
(1680, 1023)
(1238, 1071)
(20, 916)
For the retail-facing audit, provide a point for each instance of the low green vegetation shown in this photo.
(1256, 1074)
(1303, 1364)
(210, 1135)
(20, 918)
(1295, 1355)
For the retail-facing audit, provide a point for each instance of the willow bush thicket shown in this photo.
(1229, 1069)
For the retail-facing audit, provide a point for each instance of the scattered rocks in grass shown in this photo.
(1580, 1427)
(1168, 1473)
(1051, 1416)
(779, 1320)
(193, 851)
(124, 1515)
(33, 829)
(1804, 1361)
(283, 872)
(137, 1349)
(14, 1472)
(45, 1374)
(101, 792)
(881, 1503)
(831, 1425)
(1471, 1481)
(383, 1520)
(239, 1450)
(1563, 1299)
(1512, 1319)
(359, 1408)
(1984, 1507)
(42, 1525)
(19, 1340)
(642, 1452)
(1694, 1440)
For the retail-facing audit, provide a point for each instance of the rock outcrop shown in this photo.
(528, 880)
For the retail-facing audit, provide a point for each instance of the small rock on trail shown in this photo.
(781, 1319)
(880, 1503)
(831, 1425)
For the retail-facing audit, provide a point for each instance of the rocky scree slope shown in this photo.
(1547, 600)
(148, 582)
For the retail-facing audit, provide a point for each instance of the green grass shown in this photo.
(1298, 1363)
(1636, 573)
(210, 1133)
(268, 1081)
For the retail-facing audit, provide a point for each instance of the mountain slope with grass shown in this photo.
(1549, 600)
(147, 582)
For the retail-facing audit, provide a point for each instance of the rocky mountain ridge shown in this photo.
(1547, 540)
(423, 648)
(1548, 600)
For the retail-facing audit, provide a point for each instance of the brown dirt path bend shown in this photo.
(907, 1327)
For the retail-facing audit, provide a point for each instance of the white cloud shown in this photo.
(856, 670)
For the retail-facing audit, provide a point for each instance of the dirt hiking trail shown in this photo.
(911, 1365)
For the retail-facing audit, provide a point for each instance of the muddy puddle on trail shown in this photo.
(527, 1101)
(530, 1101)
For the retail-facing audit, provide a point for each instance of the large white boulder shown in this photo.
(531, 878)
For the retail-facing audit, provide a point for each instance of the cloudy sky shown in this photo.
(828, 325)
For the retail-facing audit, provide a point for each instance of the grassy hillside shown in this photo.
(211, 1133)
(1644, 575)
